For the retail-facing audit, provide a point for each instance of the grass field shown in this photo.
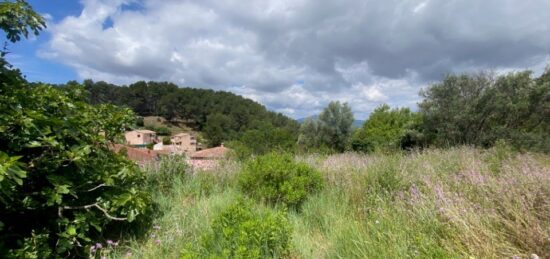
(454, 203)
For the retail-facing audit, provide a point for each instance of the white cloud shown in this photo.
(364, 53)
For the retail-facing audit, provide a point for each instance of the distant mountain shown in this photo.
(356, 123)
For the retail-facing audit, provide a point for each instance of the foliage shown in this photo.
(384, 129)
(277, 178)
(438, 203)
(481, 109)
(241, 232)
(224, 115)
(17, 18)
(166, 140)
(218, 128)
(161, 131)
(332, 129)
(61, 186)
(161, 175)
(262, 140)
(310, 136)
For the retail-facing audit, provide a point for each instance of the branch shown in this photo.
(87, 207)
(99, 186)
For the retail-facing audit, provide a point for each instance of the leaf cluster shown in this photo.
(61, 186)
(278, 179)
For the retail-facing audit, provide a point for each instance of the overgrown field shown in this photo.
(452, 203)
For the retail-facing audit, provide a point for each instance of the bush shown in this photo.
(61, 188)
(166, 140)
(385, 129)
(276, 178)
(241, 232)
(161, 175)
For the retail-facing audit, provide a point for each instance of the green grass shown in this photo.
(454, 203)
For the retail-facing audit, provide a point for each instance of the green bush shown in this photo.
(386, 130)
(61, 188)
(166, 140)
(240, 231)
(161, 175)
(277, 178)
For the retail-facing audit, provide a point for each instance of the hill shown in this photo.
(221, 116)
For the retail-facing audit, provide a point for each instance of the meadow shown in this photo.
(439, 203)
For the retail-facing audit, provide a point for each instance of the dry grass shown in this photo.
(455, 203)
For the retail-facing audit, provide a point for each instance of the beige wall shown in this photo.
(185, 142)
(139, 138)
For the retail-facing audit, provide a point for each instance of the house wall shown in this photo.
(139, 138)
(185, 142)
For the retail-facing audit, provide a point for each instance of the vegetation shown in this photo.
(277, 179)
(61, 188)
(63, 193)
(221, 116)
(384, 129)
(481, 109)
(439, 203)
(18, 18)
(331, 130)
(241, 232)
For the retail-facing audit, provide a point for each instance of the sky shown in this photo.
(294, 56)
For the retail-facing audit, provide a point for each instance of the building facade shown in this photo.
(140, 138)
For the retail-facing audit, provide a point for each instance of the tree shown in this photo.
(481, 110)
(331, 129)
(18, 18)
(218, 129)
(336, 125)
(384, 129)
(310, 134)
(60, 185)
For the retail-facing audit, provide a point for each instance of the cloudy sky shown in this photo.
(293, 56)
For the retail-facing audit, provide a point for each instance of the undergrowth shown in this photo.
(454, 203)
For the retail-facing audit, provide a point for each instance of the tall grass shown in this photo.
(452, 203)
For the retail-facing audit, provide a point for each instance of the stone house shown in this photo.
(140, 138)
(184, 142)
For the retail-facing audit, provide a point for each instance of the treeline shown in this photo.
(220, 116)
(469, 109)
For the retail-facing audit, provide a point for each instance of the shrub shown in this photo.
(61, 188)
(241, 232)
(276, 178)
(161, 175)
(385, 129)
(166, 140)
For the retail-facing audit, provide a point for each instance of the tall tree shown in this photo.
(331, 129)
(384, 129)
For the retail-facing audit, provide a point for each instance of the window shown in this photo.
(139, 136)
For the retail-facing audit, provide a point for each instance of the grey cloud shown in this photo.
(363, 52)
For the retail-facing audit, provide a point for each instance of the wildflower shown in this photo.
(93, 249)
(157, 242)
(377, 222)
(110, 242)
(98, 245)
(156, 227)
(129, 254)
(153, 235)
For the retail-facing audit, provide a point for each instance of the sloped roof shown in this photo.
(211, 153)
